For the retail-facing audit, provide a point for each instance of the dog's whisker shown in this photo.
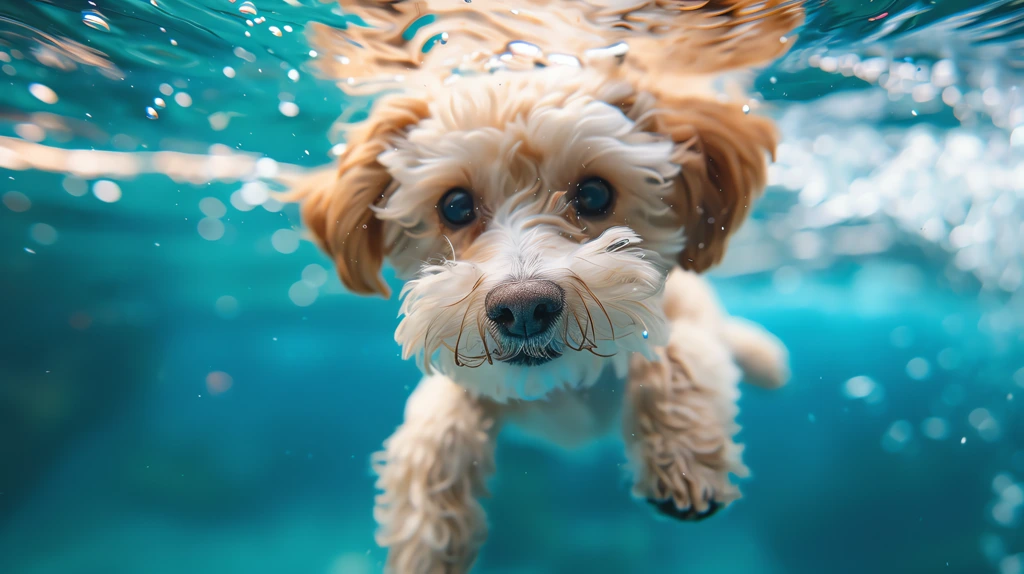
(591, 324)
(590, 318)
(595, 353)
(565, 331)
(458, 340)
(483, 340)
(462, 326)
(597, 300)
(583, 337)
(452, 247)
(463, 358)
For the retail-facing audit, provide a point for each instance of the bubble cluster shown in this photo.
(958, 192)
(210, 227)
(985, 424)
(1009, 503)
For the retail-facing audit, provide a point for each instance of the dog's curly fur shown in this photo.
(519, 139)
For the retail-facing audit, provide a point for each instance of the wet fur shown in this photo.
(686, 167)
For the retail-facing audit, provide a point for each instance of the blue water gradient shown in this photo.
(168, 406)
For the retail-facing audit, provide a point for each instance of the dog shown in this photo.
(549, 212)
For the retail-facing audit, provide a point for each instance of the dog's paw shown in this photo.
(691, 496)
(668, 508)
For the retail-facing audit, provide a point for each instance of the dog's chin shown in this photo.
(532, 376)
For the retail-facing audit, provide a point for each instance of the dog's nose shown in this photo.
(524, 308)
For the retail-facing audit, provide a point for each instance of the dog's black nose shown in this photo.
(524, 308)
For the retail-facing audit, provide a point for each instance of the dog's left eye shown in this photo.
(593, 197)
(457, 207)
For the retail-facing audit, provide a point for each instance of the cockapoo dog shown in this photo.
(548, 182)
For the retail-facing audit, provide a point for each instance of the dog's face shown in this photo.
(534, 216)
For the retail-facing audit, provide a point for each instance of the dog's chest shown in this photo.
(571, 418)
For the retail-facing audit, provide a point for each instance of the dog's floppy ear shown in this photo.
(723, 155)
(336, 205)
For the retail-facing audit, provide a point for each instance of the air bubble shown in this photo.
(210, 228)
(43, 93)
(288, 109)
(285, 241)
(106, 191)
(302, 294)
(95, 20)
(247, 8)
(151, 113)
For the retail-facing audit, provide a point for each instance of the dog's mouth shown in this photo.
(524, 359)
(530, 351)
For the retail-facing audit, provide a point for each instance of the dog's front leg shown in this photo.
(430, 473)
(679, 424)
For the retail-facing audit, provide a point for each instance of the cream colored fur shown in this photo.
(678, 421)
(519, 132)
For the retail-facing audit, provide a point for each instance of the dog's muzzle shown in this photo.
(522, 317)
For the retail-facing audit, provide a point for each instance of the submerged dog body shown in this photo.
(537, 219)
(548, 225)
(677, 418)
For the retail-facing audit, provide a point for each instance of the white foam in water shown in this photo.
(958, 189)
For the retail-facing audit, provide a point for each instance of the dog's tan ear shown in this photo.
(723, 154)
(336, 205)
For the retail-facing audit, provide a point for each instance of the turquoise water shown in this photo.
(186, 387)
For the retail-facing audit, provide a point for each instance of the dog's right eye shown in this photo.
(457, 207)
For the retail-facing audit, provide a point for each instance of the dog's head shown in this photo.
(534, 217)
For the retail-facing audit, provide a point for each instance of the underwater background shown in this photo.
(186, 387)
